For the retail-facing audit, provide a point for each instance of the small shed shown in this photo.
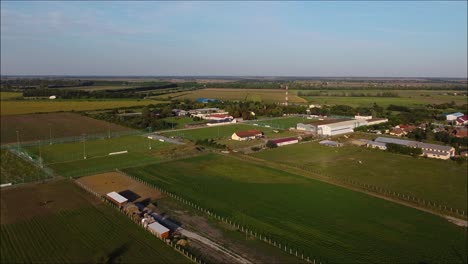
(159, 230)
(117, 198)
(330, 143)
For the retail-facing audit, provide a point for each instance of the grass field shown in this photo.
(10, 95)
(43, 106)
(339, 225)
(215, 132)
(67, 159)
(259, 95)
(436, 180)
(16, 170)
(406, 97)
(72, 229)
(56, 125)
(281, 123)
(181, 121)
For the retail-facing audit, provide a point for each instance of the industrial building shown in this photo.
(453, 116)
(332, 127)
(429, 150)
(284, 141)
(247, 135)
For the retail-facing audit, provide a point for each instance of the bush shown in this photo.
(270, 144)
(255, 148)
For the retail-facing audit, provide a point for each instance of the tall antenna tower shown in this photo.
(286, 102)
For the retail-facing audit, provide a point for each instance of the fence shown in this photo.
(386, 192)
(176, 247)
(73, 139)
(48, 172)
(244, 229)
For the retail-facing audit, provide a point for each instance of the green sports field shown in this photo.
(215, 132)
(17, 170)
(437, 180)
(73, 228)
(339, 225)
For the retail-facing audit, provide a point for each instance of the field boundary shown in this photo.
(407, 200)
(244, 229)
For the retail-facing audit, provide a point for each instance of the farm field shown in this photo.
(316, 218)
(260, 95)
(72, 227)
(436, 180)
(216, 132)
(406, 97)
(43, 106)
(10, 95)
(56, 125)
(16, 170)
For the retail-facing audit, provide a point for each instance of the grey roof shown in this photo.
(380, 144)
(411, 143)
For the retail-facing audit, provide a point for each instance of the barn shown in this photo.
(247, 135)
(158, 230)
(117, 198)
(284, 141)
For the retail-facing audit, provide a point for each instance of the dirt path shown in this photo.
(215, 246)
(307, 174)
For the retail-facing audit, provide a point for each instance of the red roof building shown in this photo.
(284, 141)
(462, 120)
(247, 135)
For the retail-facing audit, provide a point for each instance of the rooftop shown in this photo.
(411, 143)
(248, 133)
(281, 140)
(117, 197)
(158, 228)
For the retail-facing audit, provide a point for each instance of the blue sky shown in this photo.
(340, 38)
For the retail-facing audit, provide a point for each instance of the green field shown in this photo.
(10, 95)
(406, 98)
(43, 106)
(338, 225)
(437, 180)
(181, 121)
(50, 126)
(67, 159)
(74, 231)
(216, 132)
(17, 170)
(281, 123)
(257, 95)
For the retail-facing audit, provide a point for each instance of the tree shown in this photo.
(270, 144)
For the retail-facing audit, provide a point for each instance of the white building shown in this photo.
(453, 116)
(158, 230)
(362, 117)
(429, 150)
(284, 141)
(247, 135)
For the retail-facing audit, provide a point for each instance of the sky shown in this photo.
(342, 38)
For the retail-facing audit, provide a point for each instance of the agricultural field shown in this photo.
(43, 106)
(69, 226)
(437, 180)
(259, 95)
(406, 98)
(10, 95)
(323, 221)
(52, 125)
(17, 170)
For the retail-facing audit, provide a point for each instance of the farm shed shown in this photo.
(247, 135)
(453, 116)
(429, 150)
(284, 141)
(117, 198)
(330, 143)
(159, 230)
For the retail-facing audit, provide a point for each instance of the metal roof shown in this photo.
(158, 228)
(117, 197)
(411, 143)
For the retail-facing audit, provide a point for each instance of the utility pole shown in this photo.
(149, 143)
(84, 146)
(108, 130)
(50, 135)
(17, 139)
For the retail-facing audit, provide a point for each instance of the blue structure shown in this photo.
(207, 100)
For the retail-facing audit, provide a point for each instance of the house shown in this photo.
(453, 116)
(460, 132)
(462, 120)
(429, 150)
(464, 154)
(284, 141)
(330, 143)
(397, 132)
(373, 144)
(247, 135)
(179, 112)
(117, 198)
(218, 117)
(158, 230)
